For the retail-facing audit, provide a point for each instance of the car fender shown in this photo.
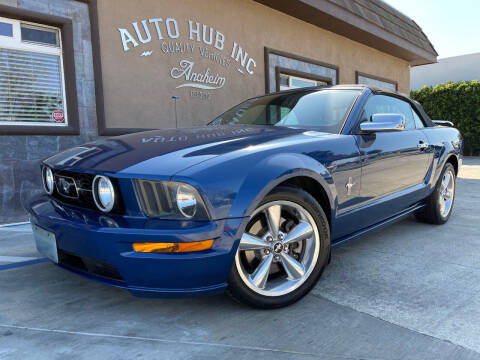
(272, 171)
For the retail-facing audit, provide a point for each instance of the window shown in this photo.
(320, 110)
(418, 121)
(295, 82)
(366, 79)
(382, 104)
(6, 29)
(279, 63)
(39, 35)
(32, 90)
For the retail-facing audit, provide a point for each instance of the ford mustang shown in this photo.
(250, 204)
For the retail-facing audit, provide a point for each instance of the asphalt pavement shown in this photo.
(410, 291)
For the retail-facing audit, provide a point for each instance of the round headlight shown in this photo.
(186, 200)
(48, 182)
(103, 193)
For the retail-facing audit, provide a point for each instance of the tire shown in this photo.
(434, 212)
(286, 280)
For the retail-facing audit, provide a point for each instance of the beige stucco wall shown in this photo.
(138, 89)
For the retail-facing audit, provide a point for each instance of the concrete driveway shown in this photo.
(411, 291)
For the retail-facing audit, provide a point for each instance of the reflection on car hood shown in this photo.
(178, 148)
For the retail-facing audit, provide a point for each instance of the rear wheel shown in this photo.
(439, 205)
(283, 251)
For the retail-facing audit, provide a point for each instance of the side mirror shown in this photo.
(383, 122)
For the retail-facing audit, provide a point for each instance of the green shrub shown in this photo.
(456, 102)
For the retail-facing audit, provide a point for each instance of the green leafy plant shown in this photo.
(456, 102)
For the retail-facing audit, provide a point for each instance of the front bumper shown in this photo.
(99, 247)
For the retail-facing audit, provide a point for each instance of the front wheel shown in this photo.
(283, 251)
(439, 205)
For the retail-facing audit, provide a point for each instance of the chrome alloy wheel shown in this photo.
(279, 249)
(447, 192)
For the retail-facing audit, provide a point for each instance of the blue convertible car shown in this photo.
(251, 203)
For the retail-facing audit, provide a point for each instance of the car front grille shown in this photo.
(82, 185)
(76, 189)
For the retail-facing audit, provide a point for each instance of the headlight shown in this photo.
(103, 193)
(186, 200)
(48, 182)
(170, 200)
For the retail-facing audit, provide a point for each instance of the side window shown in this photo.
(382, 104)
(418, 121)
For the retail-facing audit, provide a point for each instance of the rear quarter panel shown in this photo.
(444, 142)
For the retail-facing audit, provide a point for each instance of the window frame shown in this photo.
(297, 74)
(359, 74)
(16, 43)
(65, 38)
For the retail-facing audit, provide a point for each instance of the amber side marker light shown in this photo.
(172, 247)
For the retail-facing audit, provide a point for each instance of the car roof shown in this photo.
(373, 88)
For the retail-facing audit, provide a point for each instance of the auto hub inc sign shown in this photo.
(189, 41)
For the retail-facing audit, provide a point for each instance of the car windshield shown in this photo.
(320, 110)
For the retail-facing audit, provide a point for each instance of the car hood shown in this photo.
(164, 152)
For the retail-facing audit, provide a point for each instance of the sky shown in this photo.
(452, 26)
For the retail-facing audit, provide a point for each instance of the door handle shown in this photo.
(422, 145)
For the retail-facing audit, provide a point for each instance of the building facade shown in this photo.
(71, 71)
(455, 68)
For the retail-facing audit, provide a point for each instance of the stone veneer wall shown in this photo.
(20, 155)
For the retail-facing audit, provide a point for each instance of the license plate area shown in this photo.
(46, 243)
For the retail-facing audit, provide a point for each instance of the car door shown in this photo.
(391, 161)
